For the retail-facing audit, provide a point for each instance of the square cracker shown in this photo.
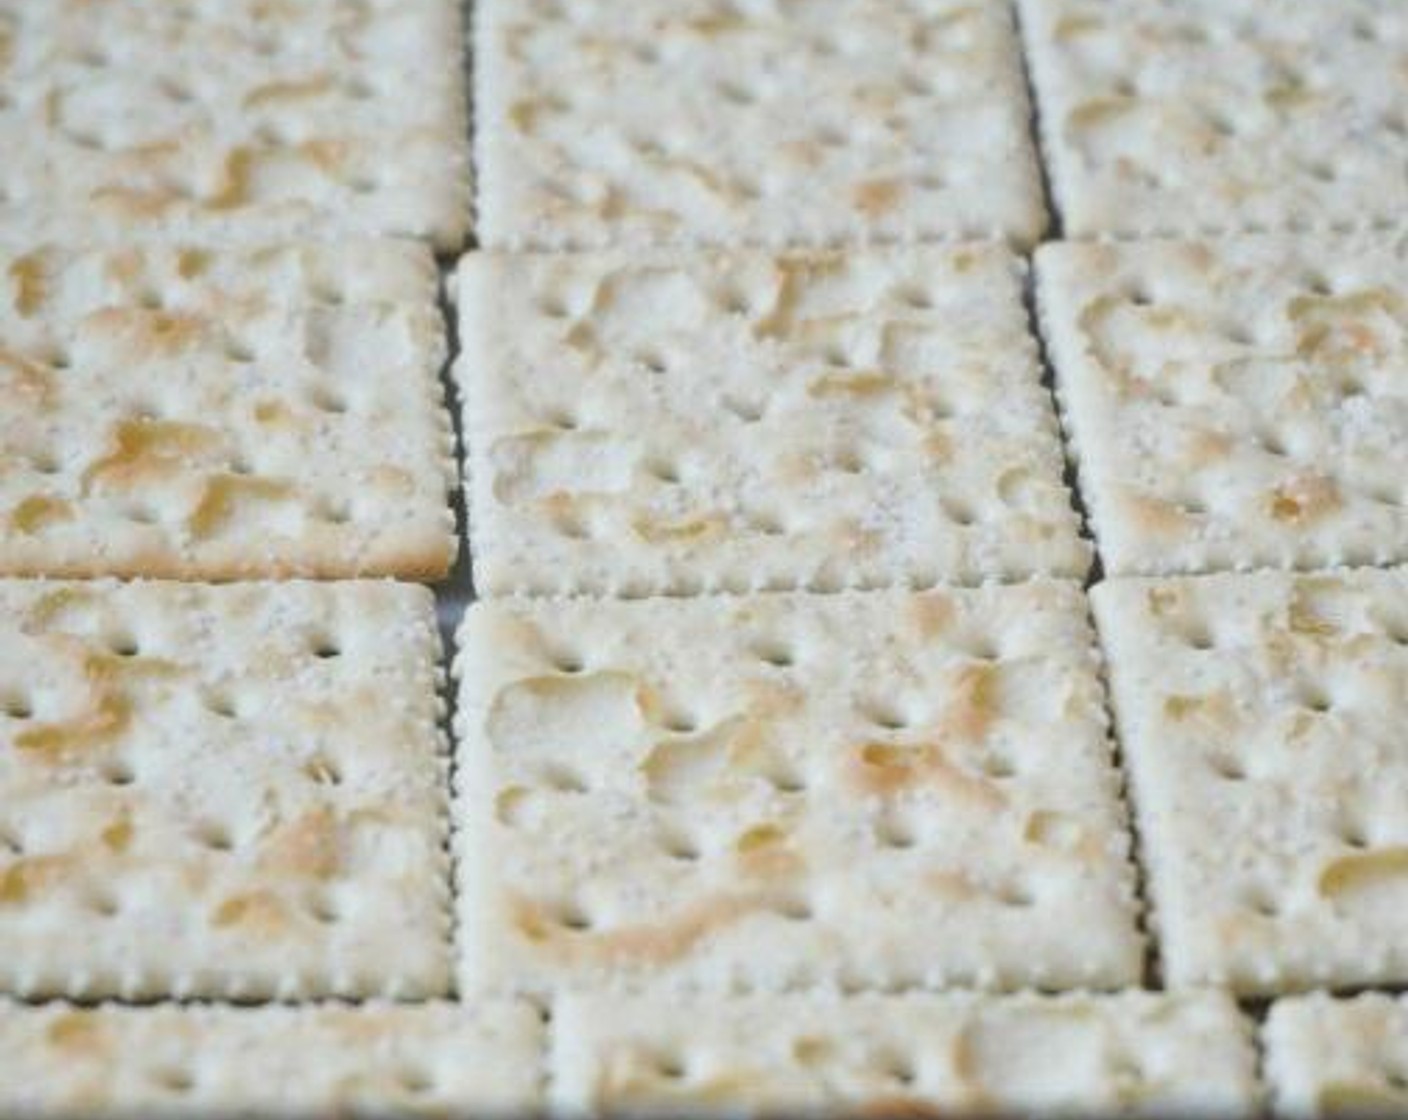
(372, 1060)
(221, 791)
(217, 414)
(602, 123)
(1338, 1057)
(692, 421)
(244, 119)
(1235, 404)
(1212, 116)
(1262, 723)
(1130, 1054)
(869, 790)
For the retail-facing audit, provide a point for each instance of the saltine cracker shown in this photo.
(375, 1059)
(873, 790)
(1237, 403)
(599, 123)
(1218, 116)
(684, 422)
(1337, 1057)
(1128, 1054)
(196, 413)
(232, 791)
(1261, 720)
(243, 120)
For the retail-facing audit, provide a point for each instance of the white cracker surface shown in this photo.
(232, 791)
(1236, 403)
(246, 119)
(1262, 723)
(1131, 1054)
(681, 422)
(1221, 115)
(1329, 1057)
(196, 413)
(376, 1059)
(713, 121)
(877, 790)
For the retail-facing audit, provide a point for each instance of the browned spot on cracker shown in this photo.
(1068, 27)
(107, 711)
(1339, 1097)
(26, 877)
(328, 156)
(1301, 616)
(76, 1031)
(1335, 329)
(1364, 871)
(692, 527)
(235, 176)
(1098, 111)
(525, 113)
(1304, 498)
(35, 514)
(1206, 445)
(49, 606)
(974, 705)
(30, 283)
(951, 884)
(145, 449)
(27, 377)
(144, 334)
(282, 92)
(117, 836)
(765, 850)
(731, 750)
(1213, 708)
(107, 715)
(135, 203)
(258, 910)
(932, 612)
(716, 23)
(274, 413)
(885, 769)
(191, 263)
(309, 845)
(792, 273)
(223, 496)
(652, 944)
(859, 383)
(1162, 600)
(875, 197)
(1157, 515)
(1063, 832)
